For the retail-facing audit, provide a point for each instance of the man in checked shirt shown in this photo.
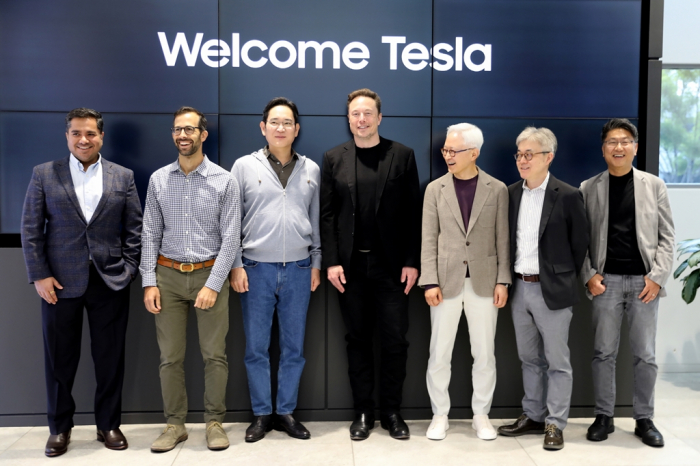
(191, 231)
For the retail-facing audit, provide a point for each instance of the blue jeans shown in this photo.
(621, 297)
(287, 288)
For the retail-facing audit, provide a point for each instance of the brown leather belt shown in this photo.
(184, 266)
(528, 278)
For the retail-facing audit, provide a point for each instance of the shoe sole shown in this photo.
(518, 434)
(656, 445)
(120, 447)
(163, 450)
(553, 447)
(302, 437)
(218, 448)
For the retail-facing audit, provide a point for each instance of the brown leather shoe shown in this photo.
(57, 444)
(113, 439)
(553, 438)
(523, 425)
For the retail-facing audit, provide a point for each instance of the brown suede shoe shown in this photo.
(523, 425)
(553, 438)
(57, 444)
(113, 439)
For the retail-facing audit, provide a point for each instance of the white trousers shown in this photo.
(481, 319)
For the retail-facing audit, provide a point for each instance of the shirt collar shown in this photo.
(542, 187)
(79, 165)
(202, 169)
(270, 155)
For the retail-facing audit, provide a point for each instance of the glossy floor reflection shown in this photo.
(677, 417)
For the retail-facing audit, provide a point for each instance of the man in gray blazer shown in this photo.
(81, 238)
(629, 260)
(465, 265)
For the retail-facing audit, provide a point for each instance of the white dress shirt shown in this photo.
(87, 184)
(527, 234)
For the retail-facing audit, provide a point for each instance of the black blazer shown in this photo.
(398, 205)
(563, 240)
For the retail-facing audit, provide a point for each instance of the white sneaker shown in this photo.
(438, 428)
(482, 426)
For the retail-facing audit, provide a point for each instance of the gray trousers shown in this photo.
(542, 337)
(621, 297)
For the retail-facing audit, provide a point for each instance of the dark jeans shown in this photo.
(374, 296)
(108, 313)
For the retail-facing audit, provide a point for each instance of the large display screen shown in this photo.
(501, 64)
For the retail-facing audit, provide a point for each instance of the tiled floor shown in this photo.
(677, 417)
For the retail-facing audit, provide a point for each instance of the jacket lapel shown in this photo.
(383, 173)
(483, 191)
(63, 171)
(450, 195)
(107, 182)
(602, 193)
(350, 169)
(550, 197)
(513, 218)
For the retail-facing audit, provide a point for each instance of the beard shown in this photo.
(188, 151)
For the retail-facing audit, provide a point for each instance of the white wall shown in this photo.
(681, 32)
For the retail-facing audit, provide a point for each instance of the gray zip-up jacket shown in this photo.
(278, 224)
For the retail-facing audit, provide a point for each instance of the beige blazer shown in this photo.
(448, 246)
(654, 225)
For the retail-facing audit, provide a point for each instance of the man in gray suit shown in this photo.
(81, 238)
(629, 260)
(465, 266)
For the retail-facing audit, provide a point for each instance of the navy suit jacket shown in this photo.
(57, 241)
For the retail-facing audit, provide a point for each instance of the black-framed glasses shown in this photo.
(286, 124)
(189, 130)
(528, 155)
(612, 143)
(451, 153)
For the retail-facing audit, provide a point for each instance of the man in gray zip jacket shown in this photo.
(279, 264)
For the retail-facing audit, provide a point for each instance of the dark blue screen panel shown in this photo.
(578, 157)
(246, 89)
(140, 142)
(240, 135)
(58, 55)
(549, 58)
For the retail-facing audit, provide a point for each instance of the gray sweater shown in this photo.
(278, 224)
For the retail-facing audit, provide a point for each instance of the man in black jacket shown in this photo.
(370, 231)
(548, 243)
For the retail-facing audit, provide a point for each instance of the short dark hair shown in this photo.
(202, 119)
(83, 112)
(277, 101)
(619, 123)
(364, 92)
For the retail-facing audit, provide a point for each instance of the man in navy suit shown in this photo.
(81, 237)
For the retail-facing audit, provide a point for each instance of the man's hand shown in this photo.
(45, 288)
(315, 279)
(650, 291)
(239, 280)
(409, 275)
(336, 276)
(433, 296)
(500, 295)
(205, 298)
(151, 298)
(595, 285)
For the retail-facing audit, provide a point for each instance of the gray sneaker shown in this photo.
(216, 437)
(171, 436)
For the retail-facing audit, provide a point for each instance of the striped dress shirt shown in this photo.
(527, 234)
(191, 218)
(87, 184)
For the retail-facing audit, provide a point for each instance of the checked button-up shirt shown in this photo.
(191, 218)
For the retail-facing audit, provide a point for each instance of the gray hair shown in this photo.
(543, 136)
(471, 134)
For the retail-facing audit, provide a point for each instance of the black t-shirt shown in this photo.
(623, 257)
(366, 233)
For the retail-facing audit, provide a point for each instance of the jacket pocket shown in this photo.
(562, 268)
(115, 252)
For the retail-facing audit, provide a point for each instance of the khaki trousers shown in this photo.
(177, 290)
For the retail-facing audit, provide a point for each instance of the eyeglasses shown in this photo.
(451, 153)
(286, 124)
(612, 143)
(528, 155)
(189, 130)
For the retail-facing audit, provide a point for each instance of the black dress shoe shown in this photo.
(553, 438)
(601, 427)
(648, 433)
(360, 427)
(113, 439)
(396, 426)
(256, 431)
(523, 425)
(57, 444)
(293, 428)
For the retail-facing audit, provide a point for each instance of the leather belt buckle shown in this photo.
(528, 278)
(191, 267)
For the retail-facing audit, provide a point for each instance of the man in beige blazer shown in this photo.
(465, 265)
(629, 260)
